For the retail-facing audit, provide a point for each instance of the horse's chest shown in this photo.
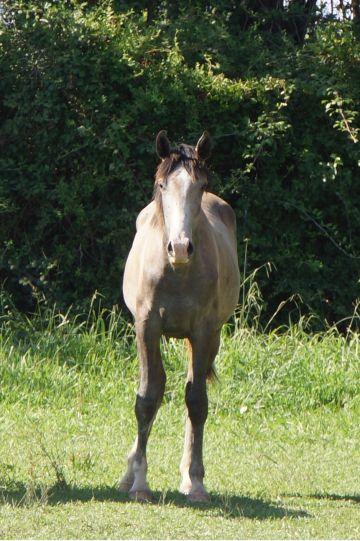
(177, 313)
(183, 297)
(180, 311)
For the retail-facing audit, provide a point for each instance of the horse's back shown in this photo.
(222, 221)
(145, 216)
(216, 208)
(143, 256)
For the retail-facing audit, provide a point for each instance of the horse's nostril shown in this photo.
(190, 249)
(170, 248)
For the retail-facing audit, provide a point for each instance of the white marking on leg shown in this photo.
(192, 487)
(140, 470)
(185, 486)
(128, 479)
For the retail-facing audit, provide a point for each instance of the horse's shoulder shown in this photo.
(214, 205)
(145, 215)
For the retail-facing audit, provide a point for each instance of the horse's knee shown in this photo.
(197, 403)
(148, 403)
(145, 409)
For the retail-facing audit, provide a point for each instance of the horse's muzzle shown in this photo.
(180, 251)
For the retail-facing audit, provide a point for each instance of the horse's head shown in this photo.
(180, 182)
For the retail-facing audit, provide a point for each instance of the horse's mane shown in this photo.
(180, 156)
(184, 155)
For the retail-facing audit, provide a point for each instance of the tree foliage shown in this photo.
(84, 90)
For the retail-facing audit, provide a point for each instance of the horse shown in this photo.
(181, 280)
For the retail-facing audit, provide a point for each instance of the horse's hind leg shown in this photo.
(204, 350)
(148, 400)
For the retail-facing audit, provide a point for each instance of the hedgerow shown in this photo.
(83, 92)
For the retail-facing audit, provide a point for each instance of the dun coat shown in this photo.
(181, 280)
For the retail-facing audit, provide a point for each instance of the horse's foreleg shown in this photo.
(148, 400)
(204, 350)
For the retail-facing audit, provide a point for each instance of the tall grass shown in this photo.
(53, 358)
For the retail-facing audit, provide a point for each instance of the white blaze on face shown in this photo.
(179, 204)
(175, 203)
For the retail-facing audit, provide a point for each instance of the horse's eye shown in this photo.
(161, 185)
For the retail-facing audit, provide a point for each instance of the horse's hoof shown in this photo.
(124, 486)
(198, 496)
(185, 488)
(141, 496)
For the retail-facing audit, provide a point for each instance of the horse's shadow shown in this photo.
(347, 498)
(224, 505)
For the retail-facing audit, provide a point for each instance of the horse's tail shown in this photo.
(211, 374)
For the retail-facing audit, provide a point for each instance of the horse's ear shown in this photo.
(203, 146)
(162, 145)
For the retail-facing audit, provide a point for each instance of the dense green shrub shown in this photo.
(83, 93)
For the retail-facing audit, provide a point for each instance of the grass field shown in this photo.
(281, 446)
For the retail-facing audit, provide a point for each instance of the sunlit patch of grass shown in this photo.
(281, 441)
(269, 476)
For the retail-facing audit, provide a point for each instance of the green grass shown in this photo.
(281, 445)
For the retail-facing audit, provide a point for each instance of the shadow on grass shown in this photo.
(227, 506)
(352, 498)
(355, 498)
